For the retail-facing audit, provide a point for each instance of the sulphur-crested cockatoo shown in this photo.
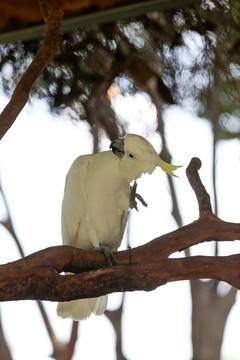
(96, 203)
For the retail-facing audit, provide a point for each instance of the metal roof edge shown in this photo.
(99, 17)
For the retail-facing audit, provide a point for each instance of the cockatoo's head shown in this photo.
(137, 156)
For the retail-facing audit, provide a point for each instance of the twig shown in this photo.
(7, 223)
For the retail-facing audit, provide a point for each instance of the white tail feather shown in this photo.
(82, 309)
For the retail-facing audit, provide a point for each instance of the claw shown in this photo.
(108, 255)
(134, 196)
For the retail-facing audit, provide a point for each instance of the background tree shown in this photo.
(153, 54)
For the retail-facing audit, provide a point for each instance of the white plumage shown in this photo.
(96, 203)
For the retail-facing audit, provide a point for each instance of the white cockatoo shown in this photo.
(96, 202)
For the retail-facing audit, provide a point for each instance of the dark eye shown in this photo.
(131, 155)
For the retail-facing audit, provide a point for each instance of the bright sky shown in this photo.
(35, 156)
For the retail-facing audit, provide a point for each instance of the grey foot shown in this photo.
(134, 196)
(108, 255)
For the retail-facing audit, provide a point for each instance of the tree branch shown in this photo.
(5, 353)
(51, 43)
(204, 203)
(115, 316)
(29, 280)
(37, 276)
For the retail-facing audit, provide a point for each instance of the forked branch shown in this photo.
(38, 276)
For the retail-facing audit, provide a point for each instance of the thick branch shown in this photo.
(26, 281)
(51, 43)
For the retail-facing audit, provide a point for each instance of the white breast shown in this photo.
(96, 201)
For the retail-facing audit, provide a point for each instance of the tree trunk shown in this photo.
(209, 315)
(4, 353)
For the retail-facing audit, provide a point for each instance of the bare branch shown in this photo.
(7, 223)
(202, 196)
(51, 43)
(65, 351)
(25, 279)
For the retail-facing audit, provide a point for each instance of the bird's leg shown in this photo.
(134, 196)
(108, 255)
(130, 254)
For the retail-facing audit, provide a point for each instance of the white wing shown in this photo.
(94, 213)
(95, 203)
